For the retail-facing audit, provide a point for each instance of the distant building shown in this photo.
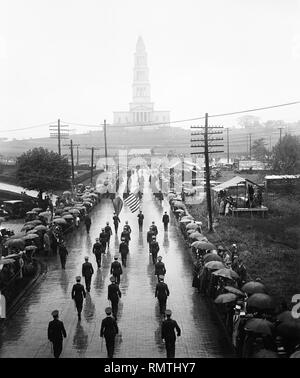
(141, 109)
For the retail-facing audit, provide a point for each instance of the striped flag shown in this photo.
(133, 202)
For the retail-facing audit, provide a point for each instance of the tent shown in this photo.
(236, 181)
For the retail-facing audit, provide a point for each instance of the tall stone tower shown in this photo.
(141, 109)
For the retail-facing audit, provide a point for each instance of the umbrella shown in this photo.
(185, 221)
(37, 209)
(6, 261)
(192, 226)
(31, 237)
(27, 227)
(87, 203)
(252, 287)
(295, 354)
(214, 265)
(74, 211)
(265, 353)
(59, 211)
(45, 214)
(179, 211)
(68, 216)
(261, 301)
(16, 243)
(56, 217)
(18, 235)
(195, 235)
(178, 204)
(66, 193)
(198, 242)
(226, 298)
(204, 245)
(259, 326)
(60, 221)
(288, 330)
(67, 208)
(287, 317)
(226, 273)
(31, 212)
(234, 290)
(94, 195)
(30, 247)
(189, 217)
(212, 257)
(41, 228)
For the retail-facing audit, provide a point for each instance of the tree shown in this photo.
(286, 155)
(259, 150)
(43, 170)
(249, 121)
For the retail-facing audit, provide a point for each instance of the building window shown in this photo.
(138, 117)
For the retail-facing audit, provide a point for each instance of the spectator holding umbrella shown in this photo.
(87, 222)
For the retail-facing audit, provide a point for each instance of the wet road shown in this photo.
(25, 333)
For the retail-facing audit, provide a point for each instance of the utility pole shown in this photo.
(280, 130)
(71, 145)
(227, 145)
(207, 145)
(105, 145)
(77, 157)
(250, 151)
(92, 161)
(60, 132)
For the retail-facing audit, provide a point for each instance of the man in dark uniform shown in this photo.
(154, 248)
(63, 253)
(161, 293)
(116, 269)
(78, 294)
(140, 220)
(56, 332)
(87, 222)
(116, 221)
(154, 228)
(125, 235)
(87, 272)
(168, 334)
(123, 250)
(114, 294)
(97, 251)
(103, 238)
(108, 233)
(166, 220)
(109, 329)
(127, 227)
(150, 235)
(160, 269)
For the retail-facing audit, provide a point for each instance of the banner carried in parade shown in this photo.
(118, 204)
(133, 202)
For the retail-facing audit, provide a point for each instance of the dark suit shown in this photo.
(116, 270)
(140, 220)
(56, 332)
(166, 220)
(109, 329)
(108, 233)
(114, 294)
(160, 269)
(78, 293)
(150, 234)
(116, 220)
(124, 250)
(161, 293)
(126, 236)
(154, 248)
(87, 272)
(154, 229)
(88, 223)
(168, 334)
(63, 253)
(97, 251)
(103, 239)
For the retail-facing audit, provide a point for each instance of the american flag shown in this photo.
(133, 202)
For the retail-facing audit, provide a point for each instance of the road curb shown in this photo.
(17, 302)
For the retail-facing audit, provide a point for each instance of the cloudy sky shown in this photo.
(73, 59)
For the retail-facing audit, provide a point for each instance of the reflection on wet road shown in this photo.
(25, 333)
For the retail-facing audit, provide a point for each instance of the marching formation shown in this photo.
(109, 327)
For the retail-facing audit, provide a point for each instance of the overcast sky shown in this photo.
(73, 59)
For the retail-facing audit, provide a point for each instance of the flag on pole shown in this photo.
(133, 202)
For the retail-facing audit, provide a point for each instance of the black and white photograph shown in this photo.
(149, 182)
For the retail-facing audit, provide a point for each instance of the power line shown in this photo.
(162, 123)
